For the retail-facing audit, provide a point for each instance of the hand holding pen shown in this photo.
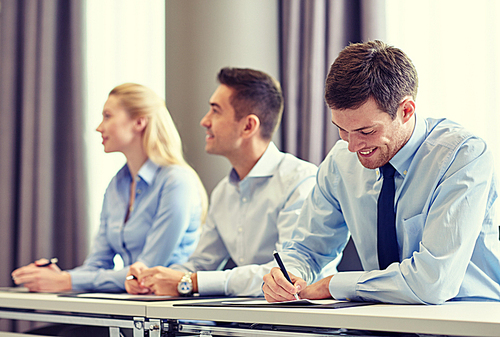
(53, 260)
(132, 285)
(283, 270)
(42, 276)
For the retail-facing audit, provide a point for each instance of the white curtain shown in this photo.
(125, 42)
(455, 46)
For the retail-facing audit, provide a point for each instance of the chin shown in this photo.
(369, 164)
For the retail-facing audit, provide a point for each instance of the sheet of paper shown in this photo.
(264, 302)
(124, 296)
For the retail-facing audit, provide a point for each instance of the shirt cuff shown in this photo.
(343, 285)
(81, 280)
(211, 283)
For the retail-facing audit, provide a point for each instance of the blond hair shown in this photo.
(161, 139)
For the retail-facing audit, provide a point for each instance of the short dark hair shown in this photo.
(371, 69)
(255, 92)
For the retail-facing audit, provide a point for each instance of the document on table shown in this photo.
(293, 302)
(128, 297)
(261, 303)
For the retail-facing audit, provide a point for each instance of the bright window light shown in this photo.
(125, 42)
(455, 46)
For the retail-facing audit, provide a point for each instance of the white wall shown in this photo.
(202, 37)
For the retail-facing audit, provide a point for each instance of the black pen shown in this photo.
(53, 260)
(283, 269)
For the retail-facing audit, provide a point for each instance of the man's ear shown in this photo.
(252, 125)
(141, 123)
(408, 109)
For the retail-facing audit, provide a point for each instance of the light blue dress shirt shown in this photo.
(162, 227)
(444, 203)
(247, 220)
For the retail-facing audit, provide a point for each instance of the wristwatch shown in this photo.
(185, 286)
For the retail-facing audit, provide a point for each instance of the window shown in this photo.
(125, 42)
(455, 47)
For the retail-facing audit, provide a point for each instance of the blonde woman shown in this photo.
(152, 208)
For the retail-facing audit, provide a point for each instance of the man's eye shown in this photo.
(366, 133)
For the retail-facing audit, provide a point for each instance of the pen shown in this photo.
(283, 270)
(130, 277)
(53, 260)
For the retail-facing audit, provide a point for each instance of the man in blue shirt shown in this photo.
(253, 210)
(446, 243)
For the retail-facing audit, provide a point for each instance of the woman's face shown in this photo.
(118, 130)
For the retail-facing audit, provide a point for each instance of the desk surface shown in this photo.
(52, 302)
(454, 318)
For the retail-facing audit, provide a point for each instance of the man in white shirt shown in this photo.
(253, 210)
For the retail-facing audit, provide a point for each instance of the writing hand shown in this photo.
(277, 288)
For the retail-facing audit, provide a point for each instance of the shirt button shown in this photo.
(139, 191)
(240, 229)
(241, 259)
(244, 199)
(405, 172)
(137, 179)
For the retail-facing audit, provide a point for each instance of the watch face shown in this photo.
(184, 288)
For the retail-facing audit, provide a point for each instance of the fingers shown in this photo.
(144, 274)
(22, 270)
(24, 274)
(133, 287)
(43, 279)
(161, 280)
(147, 273)
(41, 262)
(277, 288)
(137, 268)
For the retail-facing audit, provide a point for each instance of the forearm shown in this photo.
(239, 281)
(100, 279)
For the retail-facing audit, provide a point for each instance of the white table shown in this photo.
(52, 308)
(153, 318)
(453, 318)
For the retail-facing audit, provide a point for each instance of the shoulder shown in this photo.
(120, 176)
(176, 176)
(291, 167)
(448, 133)
(451, 140)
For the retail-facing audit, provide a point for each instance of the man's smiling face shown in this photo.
(371, 132)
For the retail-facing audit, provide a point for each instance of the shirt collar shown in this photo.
(402, 160)
(147, 171)
(265, 166)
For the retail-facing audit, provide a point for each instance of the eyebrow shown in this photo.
(355, 130)
(214, 105)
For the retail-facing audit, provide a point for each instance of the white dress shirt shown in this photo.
(247, 220)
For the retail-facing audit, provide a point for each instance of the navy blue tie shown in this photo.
(387, 243)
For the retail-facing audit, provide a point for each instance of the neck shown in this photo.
(135, 160)
(248, 155)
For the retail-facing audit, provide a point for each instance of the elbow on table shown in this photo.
(435, 295)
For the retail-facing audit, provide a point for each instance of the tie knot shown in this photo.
(387, 170)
